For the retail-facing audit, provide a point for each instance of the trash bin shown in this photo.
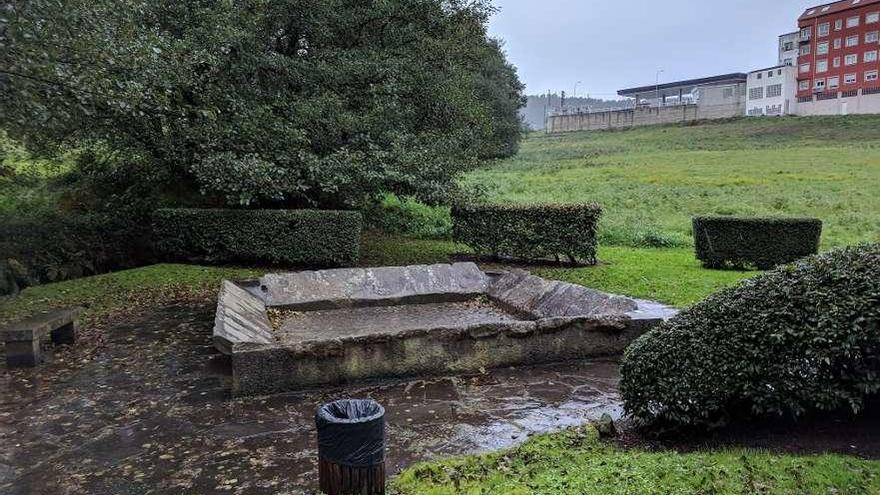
(351, 447)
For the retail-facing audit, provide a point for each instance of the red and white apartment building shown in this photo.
(838, 62)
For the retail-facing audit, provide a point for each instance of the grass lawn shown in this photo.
(652, 180)
(576, 462)
(670, 275)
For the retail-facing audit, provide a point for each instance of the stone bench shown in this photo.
(24, 338)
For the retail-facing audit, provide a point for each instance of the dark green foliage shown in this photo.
(499, 86)
(289, 103)
(408, 217)
(802, 337)
(290, 237)
(529, 231)
(53, 247)
(762, 242)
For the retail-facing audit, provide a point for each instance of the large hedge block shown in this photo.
(800, 338)
(762, 242)
(530, 231)
(60, 246)
(293, 237)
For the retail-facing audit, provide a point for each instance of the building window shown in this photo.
(806, 33)
(836, 62)
(851, 60)
(871, 37)
(822, 48)
(838, 24)
(805, 68)
(774, 91)
(871, 56)
(787, 46)
(834, 82)
(804, 85)
(852, 41)
(871, 75)
(788, 61)
(760, 75)
(820, 84)
(756, 93)
(824, 29)
(805, 50)
(872, 18)
(849, 79)
(822, 66)
(852, 22)
(838, 43)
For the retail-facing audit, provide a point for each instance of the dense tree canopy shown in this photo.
(265, 102)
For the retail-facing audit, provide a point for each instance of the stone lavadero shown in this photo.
(301, 330)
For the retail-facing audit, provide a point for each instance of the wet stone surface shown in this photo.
(354, 322)
(151, 412)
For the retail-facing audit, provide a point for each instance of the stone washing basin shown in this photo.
(294, 331)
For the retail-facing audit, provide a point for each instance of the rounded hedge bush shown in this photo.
(802, 337)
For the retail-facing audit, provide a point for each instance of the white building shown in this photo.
(772, 91)
(789, 48)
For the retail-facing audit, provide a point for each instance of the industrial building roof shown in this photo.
(734, 78)
(833, 8)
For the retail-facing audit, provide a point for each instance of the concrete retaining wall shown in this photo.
(861, 104)
(266, 369)
(638, 117)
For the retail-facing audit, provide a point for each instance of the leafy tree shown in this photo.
(264, 102)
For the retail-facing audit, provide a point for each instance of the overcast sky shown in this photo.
(613, 44)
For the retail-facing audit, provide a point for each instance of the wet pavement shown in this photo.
(149, 411)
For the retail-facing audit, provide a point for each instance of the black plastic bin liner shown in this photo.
(351, 432)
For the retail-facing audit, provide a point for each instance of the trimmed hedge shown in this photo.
(294, 237)
(763, 242)
(802, 337)
(54, 247)
(529, 231)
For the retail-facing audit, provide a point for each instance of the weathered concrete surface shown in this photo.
(267, 369)
(539, 298)
(23, 338)
(241, 317)
(386, 321)
(348, 325)
(327, 289)
(150, 412)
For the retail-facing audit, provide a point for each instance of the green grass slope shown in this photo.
(652, 180)
(575, 462)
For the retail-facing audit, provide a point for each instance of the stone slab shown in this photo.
(241, 317)
(539, 298)
(339, 326)
(386, 321)
(327, 289)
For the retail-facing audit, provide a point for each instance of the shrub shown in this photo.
(295, 237)
(762, 242)
(54, 247)
(529, 231)
(801, 337)
(408, 217)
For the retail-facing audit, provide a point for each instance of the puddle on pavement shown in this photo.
(155, 415)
